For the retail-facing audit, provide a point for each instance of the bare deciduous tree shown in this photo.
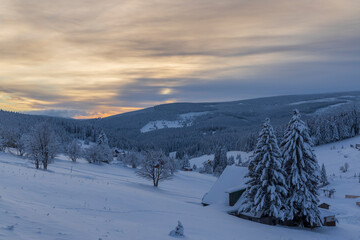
(155, 167)
(73, 150)
(133, 158)
(41, 144)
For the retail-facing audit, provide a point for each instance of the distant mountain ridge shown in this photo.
(192, 128)
(215, 123)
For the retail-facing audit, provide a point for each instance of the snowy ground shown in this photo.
(84, 201)
(184, 120)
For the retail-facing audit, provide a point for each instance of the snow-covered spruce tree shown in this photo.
(238, 159)
(231, 160)
(155, 167)
(178, 231)
(102, 139)
(324, 180)
(216, 161)
(185, 162)
(266, 193)
(100, 152)
(73, 150)
(220, 161)
(2, 143)
(207, 167)
(302, 174)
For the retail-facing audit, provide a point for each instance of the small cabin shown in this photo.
(116, 153)
(324, 206)
(327, 217)
(228, 188)
(234, 194)
(228, 191)
(352, 196)
(188, 169)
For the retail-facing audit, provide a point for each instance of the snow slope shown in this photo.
(84, 201)
(184, 120)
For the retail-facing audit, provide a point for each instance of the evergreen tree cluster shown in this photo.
(334, 127)
(283, 182)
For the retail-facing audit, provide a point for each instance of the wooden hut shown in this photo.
(328, 217)
(228, 188)
(234, 194)
(324, 206)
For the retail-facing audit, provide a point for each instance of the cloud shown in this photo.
(58, 113)
(95, 58)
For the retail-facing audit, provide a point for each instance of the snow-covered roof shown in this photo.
(325, 213)
(232, 177)
(235, 188)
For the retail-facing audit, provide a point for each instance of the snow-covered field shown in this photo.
(184, 120)
(84, 201)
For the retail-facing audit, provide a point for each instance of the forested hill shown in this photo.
(198, 128)
(13, 125)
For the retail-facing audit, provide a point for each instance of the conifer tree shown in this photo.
(102, 139)
(220, 161)
(324, 180)
(266, 194)
(302, 174)
(100, 152)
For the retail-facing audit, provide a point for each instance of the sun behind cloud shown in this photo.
(166, 91)
(98, 58)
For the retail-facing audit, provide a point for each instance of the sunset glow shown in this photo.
(88, 58)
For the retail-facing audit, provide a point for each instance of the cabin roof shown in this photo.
(326, 213)
(232, 178)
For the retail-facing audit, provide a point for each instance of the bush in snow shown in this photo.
(41, 144)
(20, 145)
(266, 192)
(302, 174)
(194, 167)
(178, 231)
(73, 150)
(155, 167)
(344, 168)
(100, 152)
(132, 158)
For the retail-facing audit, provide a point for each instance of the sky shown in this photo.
(91, 58)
